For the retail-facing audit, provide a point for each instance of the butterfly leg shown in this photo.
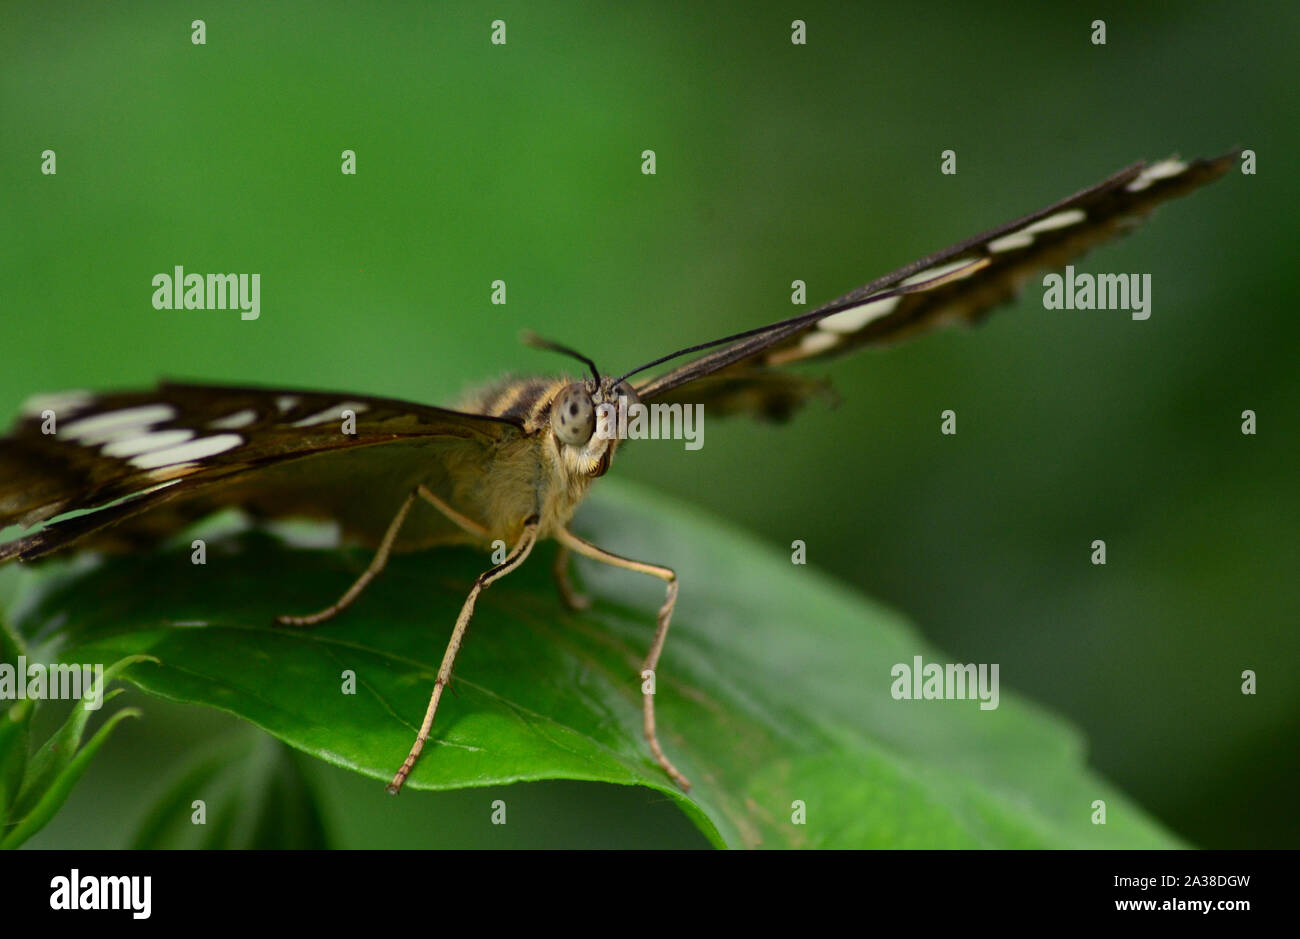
(464, 522)
(514, 559)
(381, 556)
(571, 597)
(376, 565)
(569, 540)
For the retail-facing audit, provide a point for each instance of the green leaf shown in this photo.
(15, 724)
(774, 687)
(14, 740)
(53, 798)
(53, 758)
(254, 795)
(44, 781)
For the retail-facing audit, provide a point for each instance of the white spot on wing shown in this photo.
(129, 422)
(133, 446)
(945, 273)
(818, 341)
(855, 317)
(169, 474)
(60, 402)
(160, 486)
(1025, 237)
(1019, 239)
(1053, 222)
(234, 421)
(331, 414)
(932, 273)
(1162, 170)
(193, 450)
(286, 403)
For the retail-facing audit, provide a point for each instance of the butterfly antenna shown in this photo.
(530, 338)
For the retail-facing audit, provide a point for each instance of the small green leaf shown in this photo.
(774, 688)
(15, 723)
(253, 795)
(15, 735)
(54, 797)
(46, 765)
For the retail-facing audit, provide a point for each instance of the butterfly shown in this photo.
(511, 463)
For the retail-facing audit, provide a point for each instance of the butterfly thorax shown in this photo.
(525, 399)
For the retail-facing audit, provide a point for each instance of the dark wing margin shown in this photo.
(961, 283)
(768, 394)
(166, 456)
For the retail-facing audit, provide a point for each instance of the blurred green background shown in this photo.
(775, 162)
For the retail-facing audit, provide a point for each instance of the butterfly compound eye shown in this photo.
(573, 416)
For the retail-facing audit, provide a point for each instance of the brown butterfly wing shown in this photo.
(962, 283)
(148, 462)
(753, 390)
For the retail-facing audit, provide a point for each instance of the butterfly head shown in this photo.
(586, 420)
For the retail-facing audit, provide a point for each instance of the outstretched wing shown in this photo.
(143, 463)
(959, 284)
